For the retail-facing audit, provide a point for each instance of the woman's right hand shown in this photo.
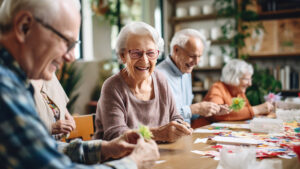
(171, 131)
(63, 126)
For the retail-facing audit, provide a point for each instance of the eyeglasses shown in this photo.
(136, 54)
(70, 43)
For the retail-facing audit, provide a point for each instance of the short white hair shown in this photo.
(138, 28)
(182, 37)
(45, 10)
(234, 70)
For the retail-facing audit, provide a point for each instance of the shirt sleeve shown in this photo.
(186, 113)
(27, 143)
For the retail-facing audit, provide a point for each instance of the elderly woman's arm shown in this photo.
(176, 128)
(263, 109)
(110, 109)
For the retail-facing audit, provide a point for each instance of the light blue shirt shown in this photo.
(181, 85)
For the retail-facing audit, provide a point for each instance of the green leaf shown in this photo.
(145, 132)
(237, 103)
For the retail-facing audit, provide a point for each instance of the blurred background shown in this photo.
(265, 33)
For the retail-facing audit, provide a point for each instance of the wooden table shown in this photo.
(178, 155)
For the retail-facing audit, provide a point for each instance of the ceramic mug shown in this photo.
(208, 9)
(181, 12)
(215, 33)
(194, 10)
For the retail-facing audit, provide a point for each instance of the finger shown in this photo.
(182, 129)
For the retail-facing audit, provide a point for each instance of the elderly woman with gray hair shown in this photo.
(138, 95)
(236, 78)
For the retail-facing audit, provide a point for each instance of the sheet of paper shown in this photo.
(234, 140)
(239, 126)
(199, 130)
(200, 140)
(160, 161)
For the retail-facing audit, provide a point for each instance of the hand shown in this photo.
(224, 109)
(145, 153)
(70, 118)
(120, 146)
(62, 126)
(205, 109)
(263, 109)
(171, 131)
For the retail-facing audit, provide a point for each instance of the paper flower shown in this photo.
(145, 132)
(271, 97)
(237, 103)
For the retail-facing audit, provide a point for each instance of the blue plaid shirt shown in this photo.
(25, 142)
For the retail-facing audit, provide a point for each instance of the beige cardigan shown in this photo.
(56, 93)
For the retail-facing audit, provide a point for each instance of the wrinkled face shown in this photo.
(187, 57)
(245, 82)
(140, 56)
(47, 49)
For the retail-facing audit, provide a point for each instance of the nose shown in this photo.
(69, 56)
(145, 57)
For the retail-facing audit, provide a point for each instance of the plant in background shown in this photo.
(106, 9)
(240, 12)
(106, 69)
(263, 83)
(69, 77)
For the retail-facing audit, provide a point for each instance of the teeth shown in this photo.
(143, 68)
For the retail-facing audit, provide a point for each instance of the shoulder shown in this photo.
(113, 84)
(161, 77)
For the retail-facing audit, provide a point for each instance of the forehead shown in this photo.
(194, 44)
(68, 20)
(140, 41)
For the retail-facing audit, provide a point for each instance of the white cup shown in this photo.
(215, 61)
(181, 12)
(203, 61)
(215, 33)
(207, 9)
(194, 10)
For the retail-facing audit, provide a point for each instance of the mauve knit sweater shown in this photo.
(119, 110)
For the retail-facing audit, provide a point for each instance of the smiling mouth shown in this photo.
(142, 68)
(189, 65)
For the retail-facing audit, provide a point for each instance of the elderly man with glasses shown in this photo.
(187, 46)
(36, 38)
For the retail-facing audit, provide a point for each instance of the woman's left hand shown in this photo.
(71, 119)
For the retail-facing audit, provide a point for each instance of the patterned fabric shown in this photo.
(181, 85)
(54, 108)
(24, 141)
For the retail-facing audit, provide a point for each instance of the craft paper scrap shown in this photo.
(160, 161)
(227, 125)
(233, 140)
(211, 153)
(200, 140)
(209, 131)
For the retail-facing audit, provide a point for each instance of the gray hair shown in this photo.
(234, 70)
(181, 38)
(139, 28)
(46, 10)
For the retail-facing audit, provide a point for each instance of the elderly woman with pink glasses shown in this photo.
(138, 95)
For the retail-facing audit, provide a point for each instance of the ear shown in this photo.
(122, 56)
(22, 22)
(175, 49)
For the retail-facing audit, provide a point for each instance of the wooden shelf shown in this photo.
(293, 92)
(279, 56)
(207, 69)
(282, 14)
(194, 18)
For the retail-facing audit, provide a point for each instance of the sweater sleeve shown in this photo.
(111, 111)
(219, 94)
